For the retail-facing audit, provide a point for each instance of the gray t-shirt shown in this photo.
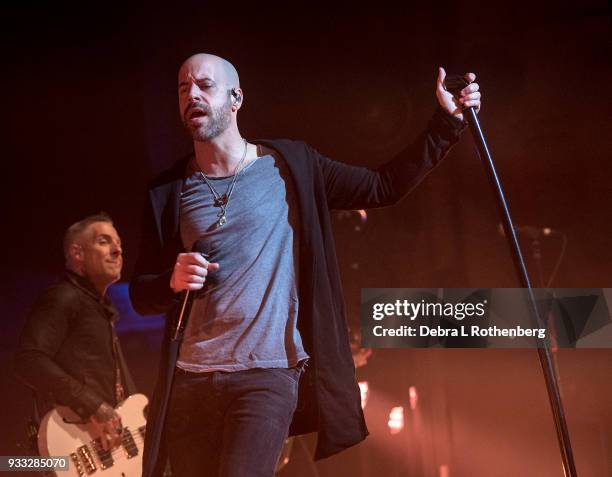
(246, 315)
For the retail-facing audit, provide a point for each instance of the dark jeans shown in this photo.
(230, 424)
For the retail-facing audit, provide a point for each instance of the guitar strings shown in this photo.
(136, 436)
(119, 453)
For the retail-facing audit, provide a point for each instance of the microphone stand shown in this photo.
(455, 84)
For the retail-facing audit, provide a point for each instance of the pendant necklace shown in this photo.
(222, 201)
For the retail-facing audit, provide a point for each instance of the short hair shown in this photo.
(79, 227)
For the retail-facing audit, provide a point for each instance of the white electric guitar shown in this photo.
(63, 433)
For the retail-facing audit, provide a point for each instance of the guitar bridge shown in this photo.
(77, 464)
(88, 462)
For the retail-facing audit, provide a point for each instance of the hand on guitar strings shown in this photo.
(107, 425)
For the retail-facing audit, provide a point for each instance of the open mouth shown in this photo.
(195, 114)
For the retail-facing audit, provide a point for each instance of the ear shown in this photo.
(237, 98)
(75, 251)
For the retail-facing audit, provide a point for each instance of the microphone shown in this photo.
(535, 232)
(184, 309)
(530, 231)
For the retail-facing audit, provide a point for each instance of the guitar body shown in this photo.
(61, 433)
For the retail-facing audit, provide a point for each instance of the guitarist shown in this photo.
(69, 352)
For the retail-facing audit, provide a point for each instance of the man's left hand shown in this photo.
(469, 96)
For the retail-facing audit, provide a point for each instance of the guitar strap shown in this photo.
(124, 385)
(119, 389)
(124, 376)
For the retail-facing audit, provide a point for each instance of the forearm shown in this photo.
(402, 174)
(351, 187)
(42, 373)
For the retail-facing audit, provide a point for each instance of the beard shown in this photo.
(218, 120)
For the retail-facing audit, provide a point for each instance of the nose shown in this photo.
(194, 92)
(116, 249)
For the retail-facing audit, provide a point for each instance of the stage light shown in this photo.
(364, 390)
(396, 420)
(414, 397)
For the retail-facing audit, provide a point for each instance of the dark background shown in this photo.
(90, 115)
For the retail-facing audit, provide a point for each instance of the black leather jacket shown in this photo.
(66, 348)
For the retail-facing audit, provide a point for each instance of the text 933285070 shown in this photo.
(16, 463)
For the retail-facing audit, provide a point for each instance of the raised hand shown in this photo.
(468, 97)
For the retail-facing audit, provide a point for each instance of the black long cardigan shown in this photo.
(329, 400)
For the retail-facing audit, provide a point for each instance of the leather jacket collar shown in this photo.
(85, 285)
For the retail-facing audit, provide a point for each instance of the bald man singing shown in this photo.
(265, 351)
